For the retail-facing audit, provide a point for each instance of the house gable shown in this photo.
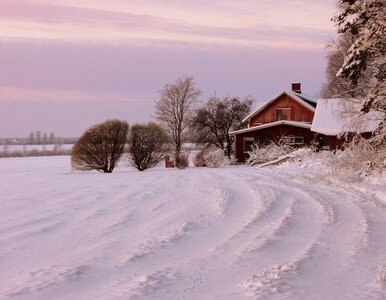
(286, 106)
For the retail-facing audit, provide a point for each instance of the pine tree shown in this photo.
(366, 21)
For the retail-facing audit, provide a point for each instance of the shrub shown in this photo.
(265, 153)
(146, 146)
(100, 147)
(199, 160)
(362, 157)
(211, 157)
(182, 160)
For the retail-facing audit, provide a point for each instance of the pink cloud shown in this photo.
(32, 20)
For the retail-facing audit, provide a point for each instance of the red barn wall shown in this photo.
(264, 136)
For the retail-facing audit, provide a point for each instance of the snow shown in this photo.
(291, 232)
(331, 118)
(48, 147)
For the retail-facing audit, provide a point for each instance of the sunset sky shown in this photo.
(68, 64)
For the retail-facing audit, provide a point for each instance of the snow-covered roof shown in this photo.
(300, 98)
(282, 122)
(336, 116)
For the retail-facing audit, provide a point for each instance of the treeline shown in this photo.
(38, 139)
(33, 152)
(36, 144)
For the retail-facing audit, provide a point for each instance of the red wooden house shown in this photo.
(289, 115)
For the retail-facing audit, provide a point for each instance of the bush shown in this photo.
(146, 146)
(211, 157)
(272, 151)
(362, 157)
(182, 160)
(199, 160)
(100, 147)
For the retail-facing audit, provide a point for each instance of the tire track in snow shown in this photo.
(330, 249)
(232, 233)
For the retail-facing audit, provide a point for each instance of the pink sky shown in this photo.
(66, 66)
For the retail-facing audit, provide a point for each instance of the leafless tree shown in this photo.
(31, 138)
(100, 147)
(38, 136)
(51, 138)
(147, 145)
(174, 110)
(213, 122)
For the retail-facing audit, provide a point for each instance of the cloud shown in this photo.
(13, 94)
(119, 23)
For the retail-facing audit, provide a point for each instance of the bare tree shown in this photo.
(213, 122)
(100, 147)
(38, 136)
(31, 138)
(51, 138)
(147, 145)
(174, 110)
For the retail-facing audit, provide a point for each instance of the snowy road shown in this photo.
(232, 233)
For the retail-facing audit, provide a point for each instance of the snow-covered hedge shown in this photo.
(213, 158)
(270, 152)
(359, 158)
(362, 158)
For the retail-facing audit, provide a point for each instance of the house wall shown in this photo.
(264, 136)
(333, 142)
(268, 114)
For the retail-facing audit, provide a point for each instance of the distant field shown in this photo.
(34, 150)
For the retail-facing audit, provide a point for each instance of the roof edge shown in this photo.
(277, 123)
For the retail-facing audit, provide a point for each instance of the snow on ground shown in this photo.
(287, 232)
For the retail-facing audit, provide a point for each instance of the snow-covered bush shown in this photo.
(265, 153)
(363, 158)
(182, 161)
(216, 158)
(199, 160)
(382, 275)
(359, 158)
(211, 157)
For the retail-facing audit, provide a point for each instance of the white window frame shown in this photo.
(292, 140)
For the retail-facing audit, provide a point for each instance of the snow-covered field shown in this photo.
(232, 233)
(24, 148)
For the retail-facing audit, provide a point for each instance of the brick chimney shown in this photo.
(296, 87)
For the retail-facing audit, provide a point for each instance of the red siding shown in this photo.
(332, 142)
(264, 136)
(268, 114)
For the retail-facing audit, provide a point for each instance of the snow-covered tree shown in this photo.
(366, 21)
(339, 87)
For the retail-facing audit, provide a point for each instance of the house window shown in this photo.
(298, 140)
(295, 140)
(248, 144)
(283, 113)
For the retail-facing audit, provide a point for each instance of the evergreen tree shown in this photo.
(366, 21)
